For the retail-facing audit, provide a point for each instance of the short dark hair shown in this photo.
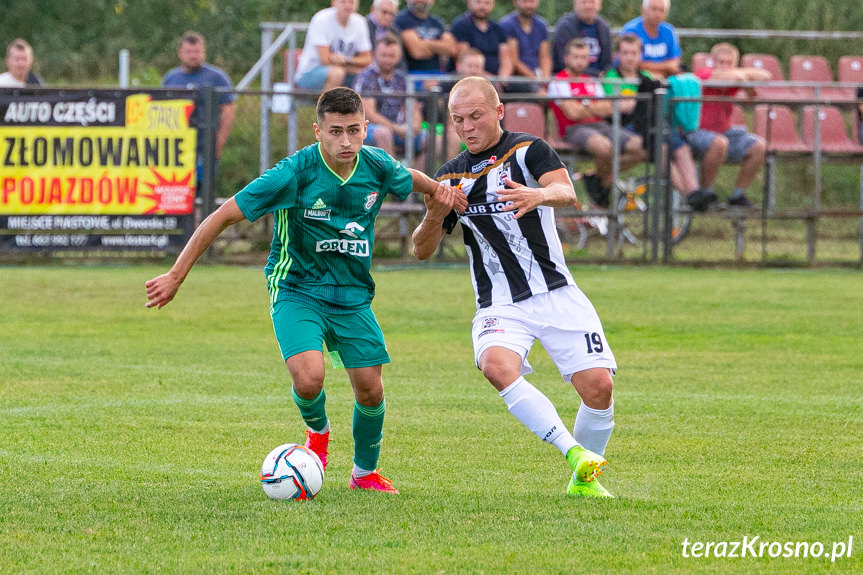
(389, 39)
(575, 43)
(191, 37)
(628, 38)
(339, 101)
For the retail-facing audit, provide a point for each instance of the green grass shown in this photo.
(132, 438)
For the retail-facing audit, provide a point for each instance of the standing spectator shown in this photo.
(476, 29)
(580, 112)
(717, 141)
(684, 175)
(337, 47)
(19, 60)
(660, 51)
(527, 36)
(195, 73)
(387, 116)
(425, 38)
(381, 19)
(584, 22)
(524, 291)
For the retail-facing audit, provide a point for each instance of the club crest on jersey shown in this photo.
(489, 322)
(370, 200)
(476, 168)
(503, 175)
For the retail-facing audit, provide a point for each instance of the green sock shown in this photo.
(368, 434)
(313, 411)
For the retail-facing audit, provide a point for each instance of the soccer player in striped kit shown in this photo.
(325, 198)
(524, 291)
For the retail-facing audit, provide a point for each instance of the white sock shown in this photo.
(324, 430)
(531, 407)
(360, 472)
(593, 427)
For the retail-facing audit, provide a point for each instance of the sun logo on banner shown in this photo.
(171, 196)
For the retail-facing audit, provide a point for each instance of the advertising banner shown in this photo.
(93, 171)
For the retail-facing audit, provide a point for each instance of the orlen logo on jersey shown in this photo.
(476, 168)
(356, 247)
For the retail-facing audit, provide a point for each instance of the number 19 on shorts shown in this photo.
(594, 342)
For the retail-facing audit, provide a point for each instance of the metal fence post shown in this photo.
(208, 175)
(266, 101)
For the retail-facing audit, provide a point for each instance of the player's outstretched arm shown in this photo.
(556, 192)
(163, 288)
(429, 233)
(443, 193)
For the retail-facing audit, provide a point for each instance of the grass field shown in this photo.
(131, 439)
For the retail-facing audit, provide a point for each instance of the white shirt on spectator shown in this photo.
(8, 80)
(325, 30)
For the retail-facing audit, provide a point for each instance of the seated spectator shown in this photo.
(337, 47)
(476, 29)
(660, 50)
(381, 20)
(425, 38)
(583, 22)
(684, 175)
(527, 36)
(471, 62)
(388, 122)
(717, 141)
(581, 112)
(19, 60)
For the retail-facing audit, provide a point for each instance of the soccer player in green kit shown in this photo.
(324, 199)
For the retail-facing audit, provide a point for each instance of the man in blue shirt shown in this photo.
(660, 46)
(584, 22)
(194, 74)
(527, 37)
(425, 38)
(476, 29)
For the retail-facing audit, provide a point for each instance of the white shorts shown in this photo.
(563, 320)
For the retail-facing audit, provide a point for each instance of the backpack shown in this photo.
(687, 115)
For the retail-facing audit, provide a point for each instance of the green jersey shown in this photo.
(324, 226)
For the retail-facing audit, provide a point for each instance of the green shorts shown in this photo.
(353, 339)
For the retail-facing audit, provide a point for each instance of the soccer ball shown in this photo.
(292, 471)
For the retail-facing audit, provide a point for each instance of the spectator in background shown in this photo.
(380, 20)
(195, 73)
(584, 22)
(476, 29)
(860, 114)
(717, 141)
(527, 37)
(387, 116)
(471, 62)
(19, 61)
(425, 38)
(337, 47)
(660, 50)
(580, 112)
(684, 175)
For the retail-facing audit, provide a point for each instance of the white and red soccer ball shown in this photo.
(292, 471)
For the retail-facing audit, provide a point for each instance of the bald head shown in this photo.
(476, 112)
(474, 85)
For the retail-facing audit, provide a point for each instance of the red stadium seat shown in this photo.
(526, 117)
(834, 136)
(850, 70)
(775, 124)
(813, 69)
(701, 60)
(771, 64)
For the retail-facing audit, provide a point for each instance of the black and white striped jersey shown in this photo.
(510, 259)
